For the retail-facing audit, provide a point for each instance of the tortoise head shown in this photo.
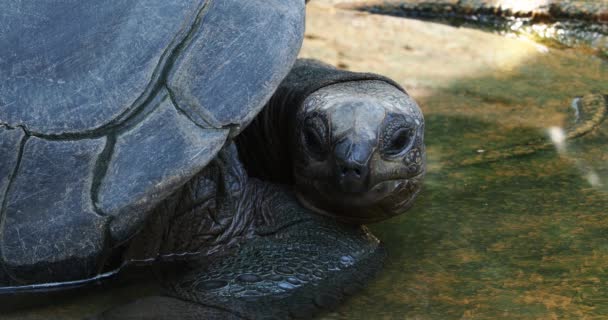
(359, 154)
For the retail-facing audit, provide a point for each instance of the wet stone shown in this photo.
(211, 285)
(248, 278)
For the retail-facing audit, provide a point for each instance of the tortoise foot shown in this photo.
(295, 269)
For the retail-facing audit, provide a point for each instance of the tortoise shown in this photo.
(118, 122)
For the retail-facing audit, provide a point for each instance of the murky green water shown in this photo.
(494, 235)
(523, 238)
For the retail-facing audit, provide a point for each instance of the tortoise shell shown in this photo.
(109, 106)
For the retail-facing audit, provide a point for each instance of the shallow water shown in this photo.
(494, 234)
(519, 238)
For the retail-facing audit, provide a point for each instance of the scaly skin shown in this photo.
(281, 260)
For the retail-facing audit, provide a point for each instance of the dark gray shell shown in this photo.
(108, 106)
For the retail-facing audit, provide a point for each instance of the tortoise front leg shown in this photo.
(294, 269)
(293, 264)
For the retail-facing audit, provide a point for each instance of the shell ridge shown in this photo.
(205, 119)
(4, 198)
(155, 84)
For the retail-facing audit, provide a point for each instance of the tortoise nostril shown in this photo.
(351, 164)
(352, 177)
(351, 169)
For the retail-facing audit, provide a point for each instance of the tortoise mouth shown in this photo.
(382, 201)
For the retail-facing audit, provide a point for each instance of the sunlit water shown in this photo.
(498, 233)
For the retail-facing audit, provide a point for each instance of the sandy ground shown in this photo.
(420, 55)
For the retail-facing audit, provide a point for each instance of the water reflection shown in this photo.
(559, 138)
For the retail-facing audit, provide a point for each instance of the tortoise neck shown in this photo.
(265, 146)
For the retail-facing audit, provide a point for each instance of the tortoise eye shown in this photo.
(399, 140)
(398, 134)
(312, 141)
(314, 136)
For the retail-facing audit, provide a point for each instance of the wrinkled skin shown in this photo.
(359, 151)
(264, 256)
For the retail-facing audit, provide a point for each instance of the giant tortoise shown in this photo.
(117, 129)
